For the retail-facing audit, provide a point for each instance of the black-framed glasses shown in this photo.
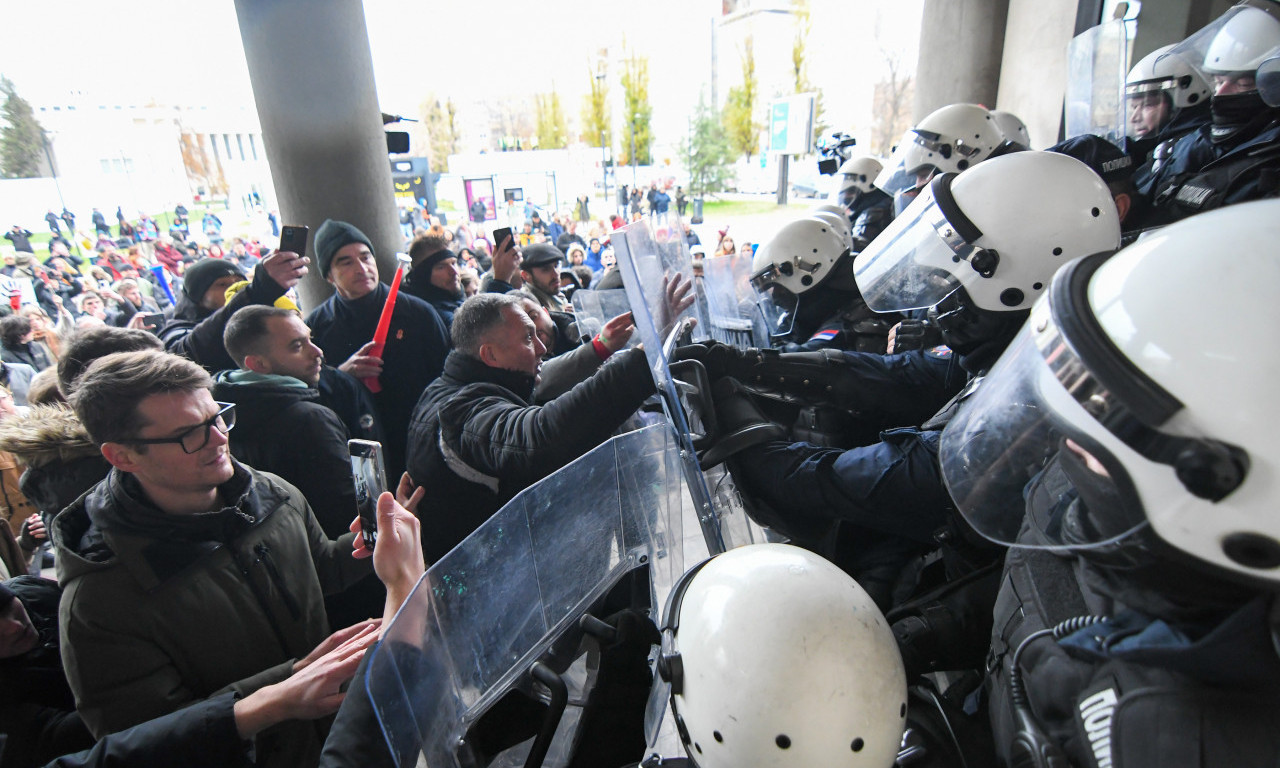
(192, 440)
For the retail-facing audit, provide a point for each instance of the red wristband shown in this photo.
(602, 351)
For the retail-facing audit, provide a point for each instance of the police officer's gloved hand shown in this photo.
(721, 360)
(913, 334)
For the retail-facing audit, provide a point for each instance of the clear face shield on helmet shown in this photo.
(1268, 79)
(1234, 44)
(1044, 442)
(912, 263)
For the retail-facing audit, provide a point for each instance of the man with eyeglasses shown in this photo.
(185, 573)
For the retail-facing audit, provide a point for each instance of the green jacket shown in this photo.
(162, 610)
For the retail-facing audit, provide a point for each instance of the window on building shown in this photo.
(253, 147)
(240, 144)
(226, 144)
(106, 165)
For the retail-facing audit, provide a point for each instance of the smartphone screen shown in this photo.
(500, 234)
(294, 239)
(370, 478)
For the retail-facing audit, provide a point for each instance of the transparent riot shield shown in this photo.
(733, 304)
(504, 613)
(1097, 64)
(592, 309)
(648, 261)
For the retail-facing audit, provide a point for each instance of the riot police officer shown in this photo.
(979, 247)
(1125, 448)
(1236, 157)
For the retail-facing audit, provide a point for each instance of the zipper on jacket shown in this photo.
(262, 602)
(264, 556)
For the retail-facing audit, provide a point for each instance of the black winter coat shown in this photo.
(197, 335)
(475, 441)
(417, 344)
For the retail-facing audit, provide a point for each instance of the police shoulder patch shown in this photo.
(940, 352)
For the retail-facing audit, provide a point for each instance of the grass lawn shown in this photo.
(722, 208)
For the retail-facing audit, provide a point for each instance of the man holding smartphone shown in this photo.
(185, 573)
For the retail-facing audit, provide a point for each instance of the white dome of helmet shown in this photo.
(778, 658)
(859, 173)
(1170, 74)
(800, 256)
(953, 139)
(1172, 415)
(1012, 127)
(1245, 38)
(838, 222)
(1236, 42)
(1000, 231)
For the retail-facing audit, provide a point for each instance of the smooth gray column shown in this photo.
(312, 76)
(961, 45)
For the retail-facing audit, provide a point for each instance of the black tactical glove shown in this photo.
(914, 334)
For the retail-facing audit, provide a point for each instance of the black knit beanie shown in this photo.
(199, 276)
(331, 236)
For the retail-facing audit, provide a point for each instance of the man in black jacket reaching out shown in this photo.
(475, 440)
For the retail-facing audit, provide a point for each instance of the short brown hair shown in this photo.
(247, 328)
(89, 344)
(107, 394)
(426, 245)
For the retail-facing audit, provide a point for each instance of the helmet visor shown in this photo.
(908, 265)
(1024, 452)
(893, 176)
(1235, 42)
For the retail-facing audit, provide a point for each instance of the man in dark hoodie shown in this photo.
(435, 277)
(195, 330)
(187, 574)
(343, 327)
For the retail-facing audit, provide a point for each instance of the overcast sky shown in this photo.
(190, 53)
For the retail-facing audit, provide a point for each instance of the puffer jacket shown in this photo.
(162, 610)
(475, 441)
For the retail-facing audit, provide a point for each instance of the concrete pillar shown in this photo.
(312, 75)
(961, 42)
(1033, 79)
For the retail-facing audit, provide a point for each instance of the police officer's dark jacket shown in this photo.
(475, 440)
(1201, 689)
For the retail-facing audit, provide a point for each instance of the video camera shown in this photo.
(834, 150)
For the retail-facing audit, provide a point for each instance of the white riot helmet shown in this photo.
(1132, 413)
(838, 222)
(776, 657)
(857, 177)
(1000, 231)
(1158, 87)
(951, 139)
(1236, 42)
(1012, 127)
(1171, 75)
(800, 256)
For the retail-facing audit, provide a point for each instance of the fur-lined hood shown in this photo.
(48, 433)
